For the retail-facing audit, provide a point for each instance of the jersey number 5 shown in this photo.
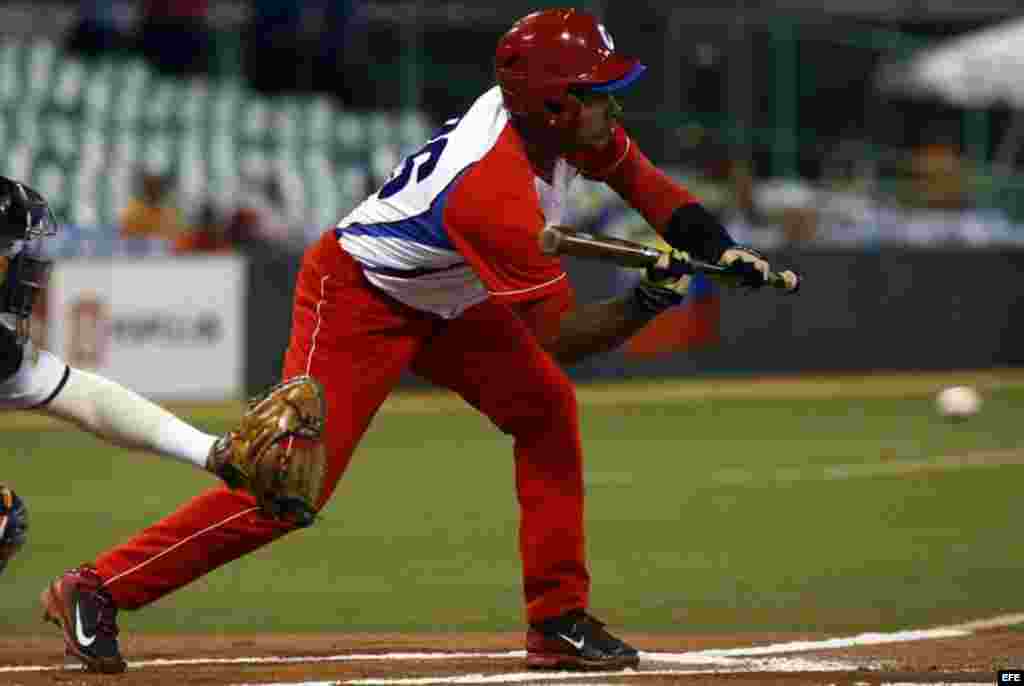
(433, 150)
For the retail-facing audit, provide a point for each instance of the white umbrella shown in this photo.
(979, 69)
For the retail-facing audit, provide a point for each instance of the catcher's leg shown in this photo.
(356, 343)
(490, 358)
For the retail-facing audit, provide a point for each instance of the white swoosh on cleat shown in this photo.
(578, 645)
(79, 634)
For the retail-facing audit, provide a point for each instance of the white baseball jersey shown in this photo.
(401, 237)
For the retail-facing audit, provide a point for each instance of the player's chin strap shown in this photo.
(26, 275)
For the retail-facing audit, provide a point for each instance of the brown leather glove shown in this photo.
(276, 453)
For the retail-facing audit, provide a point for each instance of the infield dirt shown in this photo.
(972, 659)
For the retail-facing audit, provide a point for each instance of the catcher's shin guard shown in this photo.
(262, 456)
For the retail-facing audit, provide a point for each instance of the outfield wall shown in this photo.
(216, 328)
(899, 309)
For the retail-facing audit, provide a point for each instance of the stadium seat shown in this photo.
(39, 66)
(10, 83)
(413, 130)
(381, 129)
(225, 106)
(350, 132)
(65, 119)
(69, 82)
(255, 119)
(317, 121)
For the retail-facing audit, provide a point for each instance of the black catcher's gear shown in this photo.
(13, 524)
(24, 213)
(25, 219)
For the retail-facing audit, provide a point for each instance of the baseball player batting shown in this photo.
(441, 272)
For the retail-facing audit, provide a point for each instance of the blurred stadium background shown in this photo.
(876, 146)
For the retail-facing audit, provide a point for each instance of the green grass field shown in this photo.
(735, 513)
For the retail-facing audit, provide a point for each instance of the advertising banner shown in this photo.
(166, 328)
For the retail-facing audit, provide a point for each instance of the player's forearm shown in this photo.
(674, 212)
(597, 328)
(112, 412)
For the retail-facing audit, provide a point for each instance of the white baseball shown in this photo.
(958, 402)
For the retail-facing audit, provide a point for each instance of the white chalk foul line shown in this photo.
(273, 660)
(978, 459)
(726, 658)
(738, 667)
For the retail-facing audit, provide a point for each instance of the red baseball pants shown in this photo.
(357, 342)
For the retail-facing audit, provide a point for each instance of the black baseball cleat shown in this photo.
(78, 603)
(576, 641)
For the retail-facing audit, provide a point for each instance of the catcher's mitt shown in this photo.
(13, 525)
(261, 456)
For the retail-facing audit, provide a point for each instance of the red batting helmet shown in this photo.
(546, 53)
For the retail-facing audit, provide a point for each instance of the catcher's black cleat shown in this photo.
(78, 603)
(576, 641)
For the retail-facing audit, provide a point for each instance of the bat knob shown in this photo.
(791, 280)
(550, 239)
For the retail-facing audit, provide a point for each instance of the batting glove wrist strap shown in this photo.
(693, 229)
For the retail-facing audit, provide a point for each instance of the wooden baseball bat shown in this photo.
(560, 240)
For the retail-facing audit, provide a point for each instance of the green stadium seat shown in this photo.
(93, 144)
(285, 121)
(350, 132)
(381, 128)
(190, 155)
(69, 82)
(81, 128)
(157, 154)
(19, 160)
(255, 119)
(383, 160)
(413, 130)
(225, 106)
(60, 136)
(352, 182)
(98, 95)
(49, 180)
(223, 160)
(26, 124)
(193, 106)
(125, 149)
(159, 105)
(317, 123)
(127, 111)
(39, 68)
(10, 76)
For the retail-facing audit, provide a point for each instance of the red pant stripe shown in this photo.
(312, 347)
(179, 544)
(316, 329)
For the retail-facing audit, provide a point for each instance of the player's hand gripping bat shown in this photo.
(556, 240)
